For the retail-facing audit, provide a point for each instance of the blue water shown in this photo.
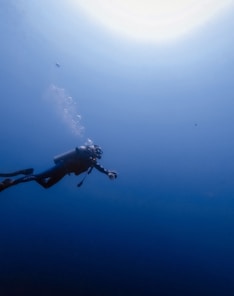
(163, 115)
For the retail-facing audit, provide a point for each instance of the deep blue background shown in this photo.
(163, 115)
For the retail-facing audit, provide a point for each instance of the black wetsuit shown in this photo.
(81, 160)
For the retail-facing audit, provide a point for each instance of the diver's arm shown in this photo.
(111, 174)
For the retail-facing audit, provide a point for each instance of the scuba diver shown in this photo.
(79, 160)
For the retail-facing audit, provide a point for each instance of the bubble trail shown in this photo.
(66, 107)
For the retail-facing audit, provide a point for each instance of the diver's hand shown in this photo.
(112, 175)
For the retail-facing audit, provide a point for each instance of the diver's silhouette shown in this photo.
(77, 161)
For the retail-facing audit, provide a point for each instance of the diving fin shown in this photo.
(27, 171)
(20, 172)
(6, 183)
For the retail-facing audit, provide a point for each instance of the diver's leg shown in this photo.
(48, 182)
(45, 182)
(51, 176)
(9, 182)
(45, 179)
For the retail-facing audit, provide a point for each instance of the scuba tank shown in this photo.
(71, 154)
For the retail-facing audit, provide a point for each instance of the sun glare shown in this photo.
(152, 20)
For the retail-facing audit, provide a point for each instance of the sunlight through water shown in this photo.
(152, 20)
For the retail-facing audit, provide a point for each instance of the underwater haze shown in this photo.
(163, 113)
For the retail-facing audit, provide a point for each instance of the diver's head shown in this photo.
(95, 150)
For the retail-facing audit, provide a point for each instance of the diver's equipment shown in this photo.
(112, 175)
(82, 181)
(71, 154)
(94, 150)
(98, 151)
(20, 172)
